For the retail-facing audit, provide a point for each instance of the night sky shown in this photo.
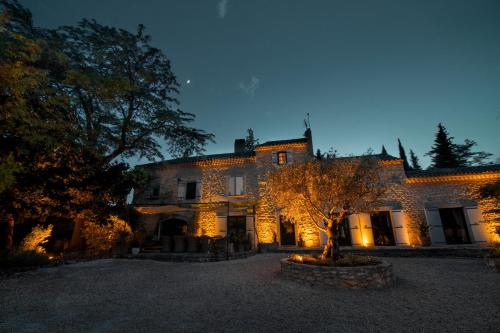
(368, 72)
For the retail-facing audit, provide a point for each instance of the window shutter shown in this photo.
(289, 157)
(478, 226)
(147, 192)
(399, 226)
(275, 157)
(221, 226)
(238, 185)
(436, 228)
(228, 185)
(181, 190)
(198, 188)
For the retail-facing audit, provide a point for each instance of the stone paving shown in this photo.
(247, 295)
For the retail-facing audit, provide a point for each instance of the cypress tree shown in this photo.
(443, 152)
(414, 161)
(319, 154)
(250, 142)
(402, 155)
(383, 152)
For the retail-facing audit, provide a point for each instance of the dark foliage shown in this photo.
(415, 165)
(402, 155)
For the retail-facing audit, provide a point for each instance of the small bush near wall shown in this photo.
(35, 240)
(99, 238)
(22, 259)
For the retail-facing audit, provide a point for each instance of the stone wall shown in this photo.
(373, 276)
(267, 217)
(212, 177)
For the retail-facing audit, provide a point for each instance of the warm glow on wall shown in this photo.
(365, 241)
(453, 178)
(206, 222)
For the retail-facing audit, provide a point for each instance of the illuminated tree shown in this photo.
(327, 191)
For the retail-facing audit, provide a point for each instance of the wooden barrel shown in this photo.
(166, 244)
(192, 244)
(179, 244)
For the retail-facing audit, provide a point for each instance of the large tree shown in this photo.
(327, 191)
(73, 103)
(35, 128)
(124, 93)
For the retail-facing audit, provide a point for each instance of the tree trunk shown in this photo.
(76, 237)
(9, 233)
(331, 250)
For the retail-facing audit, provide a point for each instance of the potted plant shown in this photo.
(138, 241)
(136, 248)
(423, 233)
(493, 257)
(300, 242)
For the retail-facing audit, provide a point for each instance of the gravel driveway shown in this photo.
(113, 295)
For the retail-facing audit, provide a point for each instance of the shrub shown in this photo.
(344, 261)
(35, 239)
(23, 259)
(101, 237)
(494, 251)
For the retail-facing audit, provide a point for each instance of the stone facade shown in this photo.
(358, 277)
(412, 199)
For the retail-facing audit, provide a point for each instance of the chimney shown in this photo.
(239, 145)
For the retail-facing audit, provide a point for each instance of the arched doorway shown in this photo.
(173, 227)
(287, 231)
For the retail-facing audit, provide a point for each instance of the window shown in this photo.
(282, 158)
(191, 190)
(235, 186)
(152, 193)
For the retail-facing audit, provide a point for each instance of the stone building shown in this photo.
(221, 194)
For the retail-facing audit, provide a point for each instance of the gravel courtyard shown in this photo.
(113, 295)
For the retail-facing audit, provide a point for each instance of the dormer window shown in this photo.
(282, 158)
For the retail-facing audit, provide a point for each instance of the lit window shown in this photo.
(282, 158)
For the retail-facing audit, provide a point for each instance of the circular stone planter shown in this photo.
(372, 276)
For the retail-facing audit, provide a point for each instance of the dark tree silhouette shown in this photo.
(250, 141)
(123, 93)
(402, 155)
(319, 154)
(383, 152)
(414, 161)
(445, 154)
